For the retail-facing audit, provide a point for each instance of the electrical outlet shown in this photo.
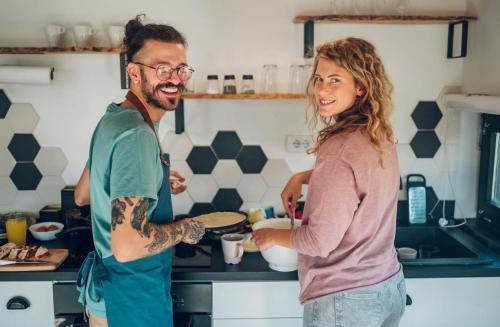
(298, 143)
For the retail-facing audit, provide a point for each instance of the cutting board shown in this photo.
(56, 257)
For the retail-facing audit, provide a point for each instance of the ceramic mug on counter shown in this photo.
(232, 247)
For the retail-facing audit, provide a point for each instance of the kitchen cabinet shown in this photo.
(26, 304)
(453, 302)
(256, 304)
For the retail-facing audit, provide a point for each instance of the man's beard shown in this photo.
(149, 94)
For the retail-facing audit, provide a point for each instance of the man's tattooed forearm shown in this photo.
(160, 238)
(117, 212)
(139, 217)
(194, 231)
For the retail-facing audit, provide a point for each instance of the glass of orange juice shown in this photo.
(16, 230)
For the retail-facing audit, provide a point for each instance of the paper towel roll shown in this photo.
(26, 74)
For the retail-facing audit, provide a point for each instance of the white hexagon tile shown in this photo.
(6, 133)
(272, 197)
(177, 145)
(250, 205)
(182, 168)
(227, 173)
(8, 192)
(202, 188)
(182, 203)
(7, 162)
(28, 201)
(22, 118)
(51, 161)
(49, 189)
(251, 188)
(276, 172)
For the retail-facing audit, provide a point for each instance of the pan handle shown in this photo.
(74, 229)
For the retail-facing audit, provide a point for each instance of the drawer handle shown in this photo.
(18, 303)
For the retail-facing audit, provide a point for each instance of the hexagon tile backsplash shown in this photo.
(30, 174)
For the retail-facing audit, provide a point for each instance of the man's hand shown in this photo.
(193, 230)
(176, 182)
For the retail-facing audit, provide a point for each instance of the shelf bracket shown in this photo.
(179, 117)
(309, 39)
(124, 80)
(454, 29)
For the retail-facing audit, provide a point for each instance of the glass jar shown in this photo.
(213, 84)
(229, 84)
(269, 79)
(247, 84)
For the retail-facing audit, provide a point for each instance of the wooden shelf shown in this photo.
(240, 96)
(382, 19)
(44, 50)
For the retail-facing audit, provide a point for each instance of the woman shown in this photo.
(348, 268)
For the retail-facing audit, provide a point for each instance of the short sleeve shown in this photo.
(134, 166)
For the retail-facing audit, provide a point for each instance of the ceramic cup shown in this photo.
(232, 247)
(116, 34)
(55, 35)
(405, 253)
(82, 35)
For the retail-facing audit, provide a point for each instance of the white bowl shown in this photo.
(279, 257)
(45, 236)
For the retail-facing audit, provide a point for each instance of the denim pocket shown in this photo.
(362, 295)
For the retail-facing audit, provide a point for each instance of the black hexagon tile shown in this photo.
(425, 144)
(251, 159)
(24, 147)
(226, 145)
(227, 199)
(201, 160)
(426, 115)
(200, 208)
(26, 176)
(4, 104)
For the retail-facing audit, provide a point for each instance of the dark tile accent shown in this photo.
(4, 104)
(426, 115)
(425, 144)
(430, 199)
(449, 210)
(226, 145)
(24, 147)
(251, 159)
(201, 160)
(26, 176)
(227, 199)
(201, 208)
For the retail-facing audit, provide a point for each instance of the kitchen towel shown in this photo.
(26, 74)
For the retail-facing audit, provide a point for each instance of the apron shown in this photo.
(136, 293)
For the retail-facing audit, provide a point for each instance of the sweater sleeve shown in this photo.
(333, 200)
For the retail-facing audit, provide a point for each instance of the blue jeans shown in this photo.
(381, 305)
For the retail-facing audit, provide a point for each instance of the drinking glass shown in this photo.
(16, 230)
(295, 83)
(269, 79)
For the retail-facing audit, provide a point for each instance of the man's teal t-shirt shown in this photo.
(123, 161)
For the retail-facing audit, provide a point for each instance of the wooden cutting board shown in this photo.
(56, 257)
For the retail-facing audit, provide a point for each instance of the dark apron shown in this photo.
(136, 293)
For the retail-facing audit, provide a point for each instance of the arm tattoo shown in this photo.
(117, 212)
(139, 217)
(194, 230)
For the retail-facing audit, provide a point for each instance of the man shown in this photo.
(126, 282)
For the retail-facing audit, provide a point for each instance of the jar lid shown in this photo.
(228, 76)
(212, 77)
(247, 76)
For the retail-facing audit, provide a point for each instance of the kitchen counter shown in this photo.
(254, 268)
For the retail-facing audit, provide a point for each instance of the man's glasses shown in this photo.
(164, 72)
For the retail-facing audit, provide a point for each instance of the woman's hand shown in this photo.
(264, 238)
(293, 190)
(176, 182)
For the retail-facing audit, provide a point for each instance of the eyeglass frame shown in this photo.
(190, 69)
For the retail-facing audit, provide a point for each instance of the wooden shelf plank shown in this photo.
(382, 19)
(44, 50)
(257, 96)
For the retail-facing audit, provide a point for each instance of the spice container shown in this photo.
(213, 84)
(247, 85)
(229, 84)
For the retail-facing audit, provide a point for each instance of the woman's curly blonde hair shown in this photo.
(372, 109)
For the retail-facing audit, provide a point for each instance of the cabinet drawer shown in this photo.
(236, 300)
(35, 296)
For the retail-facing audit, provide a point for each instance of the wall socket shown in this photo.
(298, 143)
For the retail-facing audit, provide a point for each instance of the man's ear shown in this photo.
(133, 73)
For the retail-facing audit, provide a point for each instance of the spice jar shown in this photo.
(213, 84)
(247, 85)
(229, 84)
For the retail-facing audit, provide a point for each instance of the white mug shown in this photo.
(55, 35)
(232, 247)
(82, 34)
(116, 35)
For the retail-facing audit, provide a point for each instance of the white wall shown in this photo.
(226, 36)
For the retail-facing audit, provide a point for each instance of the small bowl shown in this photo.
(45, 236)
(406, 253)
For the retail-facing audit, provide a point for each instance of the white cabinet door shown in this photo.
(239, 300)
(453, 302)
(276, 322)
(40, 311)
